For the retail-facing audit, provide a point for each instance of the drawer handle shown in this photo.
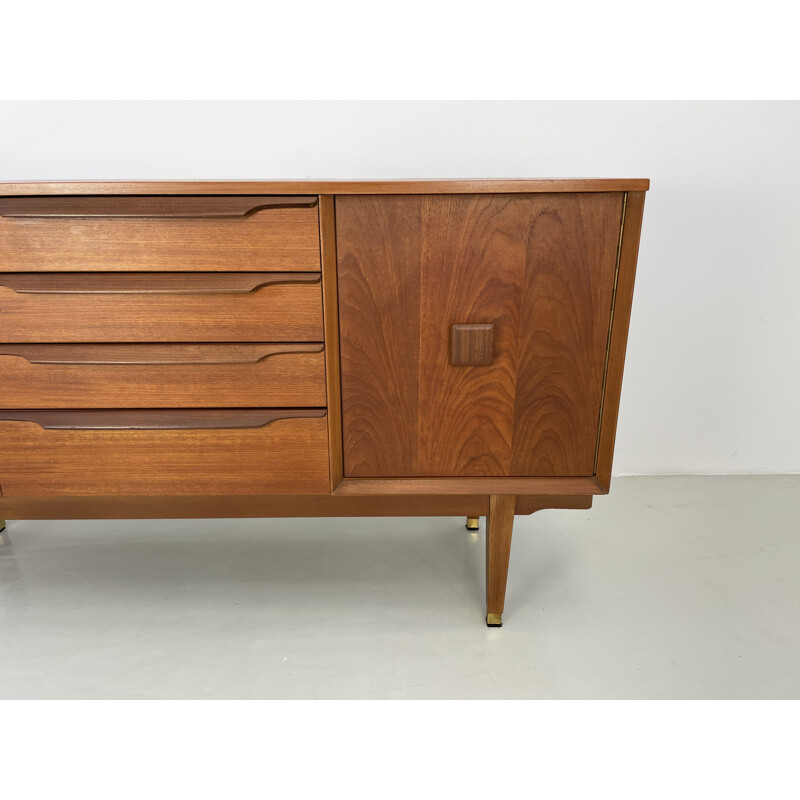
(151, 355)
(158, 419)
(472, 345)
(152, 207)
(149, 283)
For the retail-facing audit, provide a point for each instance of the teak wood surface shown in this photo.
(281, 505)
(500, 524)
(482, 186)
(330, 302)
(149, 283)
(287, 456)
(540, 268)
(270, 239)
(172, 349)
(289, 310)
(152, 419)
(618, 337)
(481, 485)
(158, 375)
(472, 345)
(148, 207)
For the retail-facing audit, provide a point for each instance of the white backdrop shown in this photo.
(712, 380)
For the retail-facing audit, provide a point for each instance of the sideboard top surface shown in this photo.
(500, 186)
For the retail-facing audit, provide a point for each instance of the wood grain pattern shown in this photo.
(330, 314)
(379, 250)
(169, 349)
(158, 419)
(149, 283)
(563, 336)
(629, 249)
(499, 527)
(209, 506)
(273, 239)
(458, 485)
(146, 206)
(149, 354)
(278, 312)
(161, 376)
(471, 345)
(286, 456)
(412, 266)
(529, 504)
(483, 186)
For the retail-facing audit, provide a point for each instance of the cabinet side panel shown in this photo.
(565, 316)
(378, 242)
(629, 248)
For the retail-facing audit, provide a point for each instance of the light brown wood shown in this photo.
(172, 349)
(169, 507)
(285, 456)
(483, 186)
(233, 506)
(290, 310)
(529, 504)
(456, 485)
(161, 376)
(499, 527)
(629, 249)
(330, 302)
(151, 207)
(150, 354)
(472, 345)
(270, 239)
(540, 268)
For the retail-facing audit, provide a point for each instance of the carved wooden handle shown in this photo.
(147, 206)
(158, 419)
(472, 345)
(149, 282)
(152, 354)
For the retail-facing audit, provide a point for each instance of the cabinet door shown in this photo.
(534, 273)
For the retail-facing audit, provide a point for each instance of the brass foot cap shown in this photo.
(473, 523)
(494, 620)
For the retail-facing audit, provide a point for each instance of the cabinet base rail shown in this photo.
(499, 511)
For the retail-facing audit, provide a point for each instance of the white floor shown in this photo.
(671, 587)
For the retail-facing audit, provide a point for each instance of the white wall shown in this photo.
(712, 382)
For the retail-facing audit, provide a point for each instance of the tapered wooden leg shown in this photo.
(499, 525)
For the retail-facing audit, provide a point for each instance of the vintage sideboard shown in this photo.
(313, 349)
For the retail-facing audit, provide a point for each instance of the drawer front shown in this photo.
(162, 376)
(163, 307)
(474, 332)
(164, 453)
(159, 233)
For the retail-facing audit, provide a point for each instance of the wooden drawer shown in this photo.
(248, 451)
(159, 233)
(161, 376)
(160, 307)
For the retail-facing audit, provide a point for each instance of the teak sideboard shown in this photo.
(312, 349)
